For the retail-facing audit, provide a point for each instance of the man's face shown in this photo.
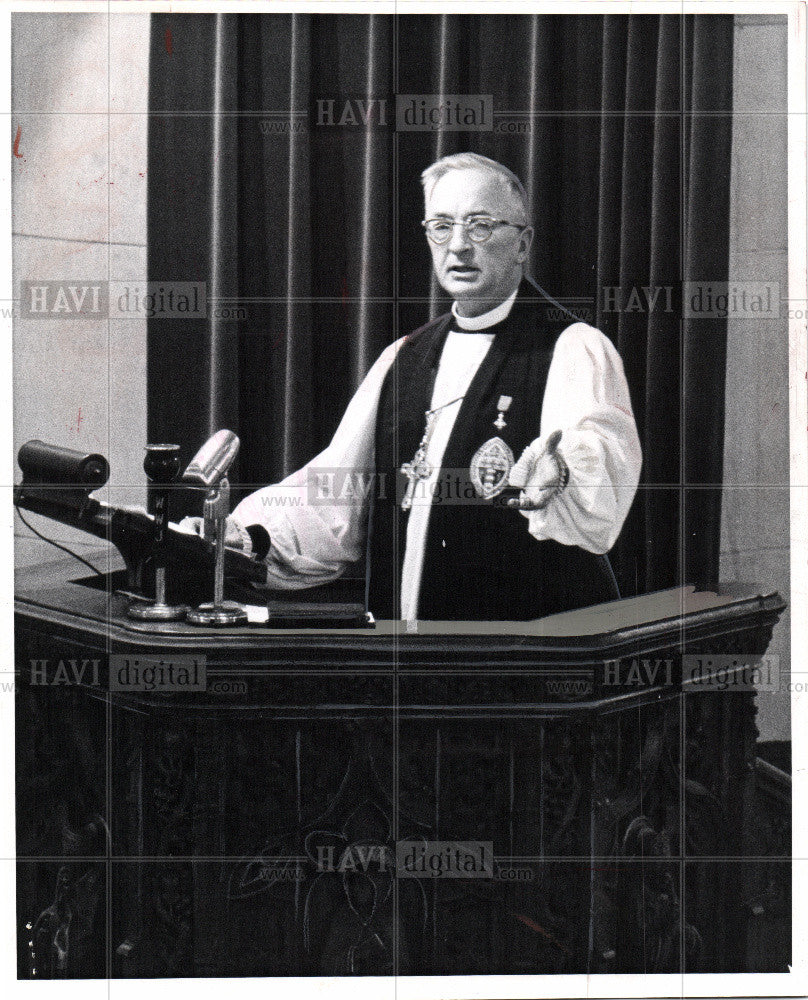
(477, 275)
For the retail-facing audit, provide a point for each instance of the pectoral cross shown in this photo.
(419, 468)
(416, 471)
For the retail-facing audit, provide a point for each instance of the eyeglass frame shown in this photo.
(468, 222)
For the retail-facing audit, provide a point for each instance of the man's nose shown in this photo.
(460, 239)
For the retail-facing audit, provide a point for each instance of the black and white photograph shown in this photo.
(408, 472)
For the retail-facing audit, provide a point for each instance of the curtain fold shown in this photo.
(308, 223)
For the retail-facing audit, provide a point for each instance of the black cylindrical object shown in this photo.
(162, 466)
(43, 463)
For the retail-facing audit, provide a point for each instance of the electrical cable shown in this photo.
(57, 545)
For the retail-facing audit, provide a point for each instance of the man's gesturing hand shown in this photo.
(540, 473)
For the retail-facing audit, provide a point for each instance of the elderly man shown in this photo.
(505, 394)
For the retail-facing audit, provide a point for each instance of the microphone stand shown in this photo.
(217, 612)
(161, 465)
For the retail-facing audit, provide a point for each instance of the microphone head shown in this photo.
(214, 458)
(48, 464)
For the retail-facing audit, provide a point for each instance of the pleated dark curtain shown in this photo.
(304, 223)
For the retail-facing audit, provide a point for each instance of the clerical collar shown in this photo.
(490, 318)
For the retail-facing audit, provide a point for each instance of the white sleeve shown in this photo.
(317, 517)
(587, 398)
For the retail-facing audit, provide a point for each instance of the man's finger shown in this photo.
(525, 503)
(529, 459)
(520, 473)
(552, 442)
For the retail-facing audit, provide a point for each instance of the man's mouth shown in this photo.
(463, 271)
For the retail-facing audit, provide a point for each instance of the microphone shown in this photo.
(77, 474)
(161, 465)
(48, 464)
(210, 464)
(261, 542)
(208, 468)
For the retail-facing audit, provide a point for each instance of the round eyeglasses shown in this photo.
(479, 229)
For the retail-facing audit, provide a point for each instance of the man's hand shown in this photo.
(233, 536)
(539, 475)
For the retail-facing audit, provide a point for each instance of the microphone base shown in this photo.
(216, 615)
(157, 612)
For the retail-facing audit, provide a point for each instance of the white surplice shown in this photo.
(586, 397)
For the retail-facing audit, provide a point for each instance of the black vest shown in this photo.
(480, 562)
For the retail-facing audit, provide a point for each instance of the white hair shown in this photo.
(475, 161)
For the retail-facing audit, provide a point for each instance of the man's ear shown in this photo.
(525, 242)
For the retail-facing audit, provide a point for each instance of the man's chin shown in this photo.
(464, 289)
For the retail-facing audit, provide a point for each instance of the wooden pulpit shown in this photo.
(201, 802)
